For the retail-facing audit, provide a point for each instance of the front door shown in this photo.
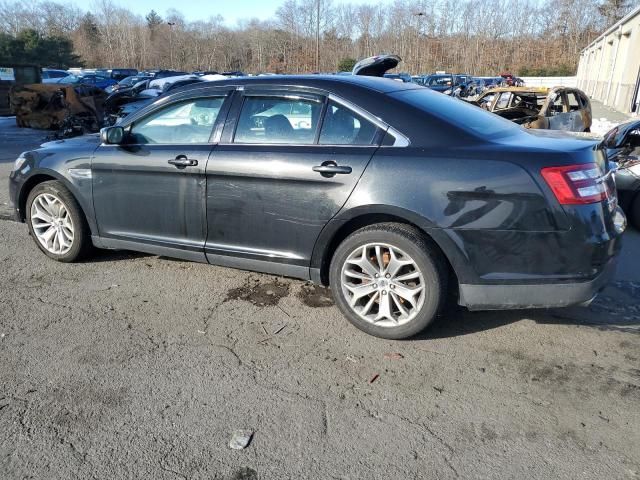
(280, 176)
(151, 189)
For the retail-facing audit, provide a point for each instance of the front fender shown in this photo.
(73, 170)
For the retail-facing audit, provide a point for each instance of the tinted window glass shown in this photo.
(342, 126)
(278, 120)
(457, 112)
(185, 122)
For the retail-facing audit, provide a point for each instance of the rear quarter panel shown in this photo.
(494, 220)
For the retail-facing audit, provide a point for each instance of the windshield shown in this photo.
(128, 81)
(457, 112)
(70, 79)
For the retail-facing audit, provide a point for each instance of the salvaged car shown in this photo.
(127, 83)
(374, 187)
(12, 75)
(127, 100)
(623, 144)
(558, 108)
(71, 109)
(85, 79)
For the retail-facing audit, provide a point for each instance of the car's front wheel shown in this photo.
(56, 222)
(388, 280)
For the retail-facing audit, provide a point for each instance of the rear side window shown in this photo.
(271, 119)
(342, 126)
(574, 101)
(457, 112)
(190, 121)
(503, 101)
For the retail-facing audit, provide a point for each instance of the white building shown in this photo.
(609, 68)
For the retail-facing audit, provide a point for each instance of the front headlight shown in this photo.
(17, 165)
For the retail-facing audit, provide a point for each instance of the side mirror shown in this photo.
(111, 135)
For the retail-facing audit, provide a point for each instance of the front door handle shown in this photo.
(181, 161)
(330, 168)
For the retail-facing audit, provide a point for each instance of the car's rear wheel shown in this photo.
(56, 222)
(388, 280)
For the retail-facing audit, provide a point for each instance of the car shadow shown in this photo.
(616, 308)
(100, 255)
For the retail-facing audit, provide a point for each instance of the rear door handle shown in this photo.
(330, 168)
(181, 161)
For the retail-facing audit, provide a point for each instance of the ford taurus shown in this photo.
(395, 196)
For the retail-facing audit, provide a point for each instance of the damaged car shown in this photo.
(558, 108)
(70, 109)
(359, 198)
(623, 144)
(128, 100)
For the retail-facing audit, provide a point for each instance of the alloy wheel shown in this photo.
(52, 223)
(383, 285)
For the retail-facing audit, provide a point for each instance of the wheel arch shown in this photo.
(340, 228)
(41, 176)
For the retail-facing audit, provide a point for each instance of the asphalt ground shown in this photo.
(137, 366)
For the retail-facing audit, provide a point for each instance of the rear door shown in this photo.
(287, 163)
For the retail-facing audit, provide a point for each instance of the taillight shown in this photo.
(577, 184)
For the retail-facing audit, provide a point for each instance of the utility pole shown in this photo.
(171, 25)
(318, 36)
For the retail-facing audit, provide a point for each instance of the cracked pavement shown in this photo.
(137, 366)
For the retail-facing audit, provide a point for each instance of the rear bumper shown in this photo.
(547, 295)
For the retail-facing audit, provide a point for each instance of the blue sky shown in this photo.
(231, 10)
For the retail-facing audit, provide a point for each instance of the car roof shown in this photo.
(378, 84)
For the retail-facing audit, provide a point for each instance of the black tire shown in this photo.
(634, 212)
(81, 244)
(424, 254)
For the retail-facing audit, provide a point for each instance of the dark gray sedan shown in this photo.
(395, 196)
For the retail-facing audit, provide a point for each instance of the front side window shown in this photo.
(557, 105)
(278, 120)
(342, 126)
(190, 121)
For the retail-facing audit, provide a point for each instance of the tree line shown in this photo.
(485, 38)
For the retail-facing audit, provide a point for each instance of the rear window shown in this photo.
(457, 112)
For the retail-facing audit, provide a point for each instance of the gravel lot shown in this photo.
(137, 366)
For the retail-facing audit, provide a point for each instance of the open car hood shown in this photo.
(376, 66)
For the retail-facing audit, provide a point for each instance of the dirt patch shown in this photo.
(245, 473)
(315, 296)
(260, 294)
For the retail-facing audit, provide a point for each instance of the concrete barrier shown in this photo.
(550, 81)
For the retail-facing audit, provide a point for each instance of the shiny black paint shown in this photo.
(266, 202)
(139, 195)
(482, 200)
